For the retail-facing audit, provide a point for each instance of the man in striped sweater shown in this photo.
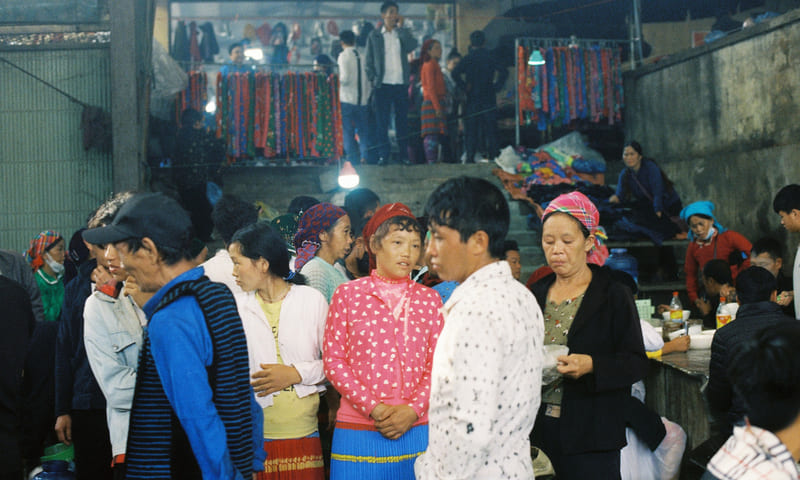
(194, 414)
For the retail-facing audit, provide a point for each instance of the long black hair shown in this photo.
(260, 240)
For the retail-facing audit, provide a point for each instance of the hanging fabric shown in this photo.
(581, 82)
(195, 95)
(291, 115)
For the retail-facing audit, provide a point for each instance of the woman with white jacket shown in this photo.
(284, 322)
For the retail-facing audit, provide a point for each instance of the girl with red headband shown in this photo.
(378, 351)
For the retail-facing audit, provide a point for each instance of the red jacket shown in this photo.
(721, 246)
(433, 86)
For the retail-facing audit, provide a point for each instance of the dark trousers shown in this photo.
(92, 444)
(481, 120)
(354, 120)
(386, 98)
(600, 465)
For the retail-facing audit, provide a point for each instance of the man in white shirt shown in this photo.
(787, 205)
(487, 370)
(354, 90)
(388, 73)
(230, 214)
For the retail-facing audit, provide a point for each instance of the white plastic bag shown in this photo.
(168, 77)
(549, 372)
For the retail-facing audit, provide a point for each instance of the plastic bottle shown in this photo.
(723, 314)
(675, 308)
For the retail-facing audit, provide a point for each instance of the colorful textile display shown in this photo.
(194, 96)
(292, 115)
(575, 83)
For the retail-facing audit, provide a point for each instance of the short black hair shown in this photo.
(469, 205)
(477, 38)
(636, 146)
(260, 240)
(387, 5)
(300, 204)
(787, 199)
(237, 44)
(755, 284)
(347, 37)
(363, 33)
(359, 201)
(453, 54)
(169, 255)
(766, 375)
(190, 116)
(719, 270)
(510, 245)
(769, 246)
(232, 213)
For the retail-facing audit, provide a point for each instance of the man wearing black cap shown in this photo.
(194, 414)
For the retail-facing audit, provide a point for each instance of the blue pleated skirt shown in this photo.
(359, 452)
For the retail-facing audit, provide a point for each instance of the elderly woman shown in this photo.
(284, 322)
(322, 238)
(710, 240)
(46, 256)
(581, 423)
(378, 352)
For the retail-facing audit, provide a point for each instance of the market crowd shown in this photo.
(364, 341)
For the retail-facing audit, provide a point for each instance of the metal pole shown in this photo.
(637, 22)
(516, 81)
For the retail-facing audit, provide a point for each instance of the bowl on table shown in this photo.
(702, 340)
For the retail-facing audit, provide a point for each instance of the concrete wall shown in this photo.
(722, 121)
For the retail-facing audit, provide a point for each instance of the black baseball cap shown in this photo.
(152, 215)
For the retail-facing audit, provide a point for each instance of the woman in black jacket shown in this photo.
(581, 423)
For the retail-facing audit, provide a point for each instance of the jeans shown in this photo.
(355, 120)
(386, 97)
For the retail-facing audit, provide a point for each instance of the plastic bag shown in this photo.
(508, 160)
(551, 353)
(168, 77)
(573, 145)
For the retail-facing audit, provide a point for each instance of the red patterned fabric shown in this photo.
(39, 245)
(582, 209)
(315, 220)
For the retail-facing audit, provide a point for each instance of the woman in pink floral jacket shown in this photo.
(378, 350)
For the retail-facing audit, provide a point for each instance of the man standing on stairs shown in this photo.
(388, 73)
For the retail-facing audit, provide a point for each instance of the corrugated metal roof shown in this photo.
(47, 180)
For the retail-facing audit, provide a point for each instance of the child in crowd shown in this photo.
(379, 342)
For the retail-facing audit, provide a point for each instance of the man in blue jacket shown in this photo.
(194, 413)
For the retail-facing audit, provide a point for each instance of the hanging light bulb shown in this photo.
(536, 58)
(348, 177)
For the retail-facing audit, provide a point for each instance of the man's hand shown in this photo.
(394, 420)
(132, 290)
(575, 365)
(274, 377)
(64, 429)
(785, 298)
(703, 305)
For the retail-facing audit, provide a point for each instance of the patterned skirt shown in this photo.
(431, 124)
(293, 459)
(360, 452)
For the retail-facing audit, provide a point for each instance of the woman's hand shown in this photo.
(680, 344)
(613, 199)
(393, 421)
(575, 365)
(100, 275)
(274, 377)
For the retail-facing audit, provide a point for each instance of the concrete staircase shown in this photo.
(276, 186)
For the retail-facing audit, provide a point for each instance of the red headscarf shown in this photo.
(39, 245)
(314, 221)
(578, 206)
(381, 215)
